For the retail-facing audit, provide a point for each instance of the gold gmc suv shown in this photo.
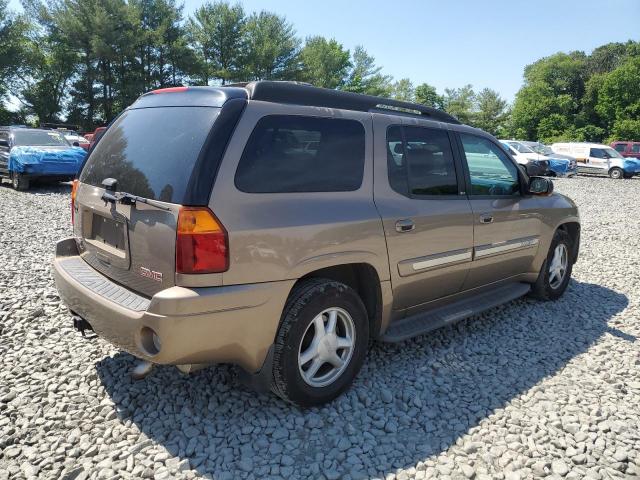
(281, 227)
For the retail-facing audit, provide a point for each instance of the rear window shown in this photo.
(151, 152)
(288, 153)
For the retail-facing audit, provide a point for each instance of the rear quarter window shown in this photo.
(290, 153)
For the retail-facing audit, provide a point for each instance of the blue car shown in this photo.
(560, 165)
(28, 154)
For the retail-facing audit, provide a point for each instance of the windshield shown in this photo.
(541, 148)
(520, 147)
(613, 153)
(38, 138)
(151, 152)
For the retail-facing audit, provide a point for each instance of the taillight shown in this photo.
(201, 242)
(74, 192)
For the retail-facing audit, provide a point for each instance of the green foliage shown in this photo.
(626, 129)
(365, 76)
(619, 93)
(325, 63)
(216, 32)
(490, 112)
(460, 102)
(403, 90)
(272, 48)
(427, 95)
(578, 97)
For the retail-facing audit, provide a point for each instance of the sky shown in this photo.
(448, 44)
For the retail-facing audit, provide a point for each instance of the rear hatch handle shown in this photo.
(110, 195)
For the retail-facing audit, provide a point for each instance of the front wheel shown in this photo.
(628, 175)
(19, 181)
(556, 269)
(616, 173)
(321, 344)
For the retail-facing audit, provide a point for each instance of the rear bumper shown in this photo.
(231, 324)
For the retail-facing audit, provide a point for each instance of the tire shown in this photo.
(19, 181)
(627, 176)
(547, 286)
(616, 173)
(297, 335)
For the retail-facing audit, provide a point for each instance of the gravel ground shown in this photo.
(528, 390)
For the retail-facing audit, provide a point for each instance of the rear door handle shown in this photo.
(486, 218)
(405, 225)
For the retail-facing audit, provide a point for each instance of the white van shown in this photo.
(598, 158)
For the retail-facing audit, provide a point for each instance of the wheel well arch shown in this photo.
(573, 230)
(364, 279)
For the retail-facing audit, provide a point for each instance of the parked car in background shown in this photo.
(533, 163)
(596, 158)
(560, 165)
(95, 136)
(281, 227)
(77, 140)
(627, 149)
(28, 154)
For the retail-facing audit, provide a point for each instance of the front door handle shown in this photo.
(486, 218)
(405, 225)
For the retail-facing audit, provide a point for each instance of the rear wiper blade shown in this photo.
(130, 199)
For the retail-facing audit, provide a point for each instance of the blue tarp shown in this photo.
(631, 165)
(46, 160)
(561, 167)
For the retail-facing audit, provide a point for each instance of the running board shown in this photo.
(454, 312)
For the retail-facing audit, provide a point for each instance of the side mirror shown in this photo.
(4, 143)
(540, 186)
(76, 144)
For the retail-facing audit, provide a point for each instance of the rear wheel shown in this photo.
(616, 173)
(556, 270)
(321, 343)
(19, 181)
(628, 175)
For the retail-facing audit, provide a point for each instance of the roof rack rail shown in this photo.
(305, 94)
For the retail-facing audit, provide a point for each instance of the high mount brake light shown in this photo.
(74, 192)
(201, 242)
(169, 90)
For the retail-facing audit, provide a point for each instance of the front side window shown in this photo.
(420, 161)
(290, 153)
(605, 153)
(490, 170)
(635, 148)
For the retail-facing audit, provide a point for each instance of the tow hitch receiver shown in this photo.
(81, 325)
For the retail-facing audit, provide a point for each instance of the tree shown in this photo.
(607, 58)
(13, 50)
(271, 48)
(619, 95)
(427, 95)
(626, 129)
(403, 90)
(491, 111)
(325, 63)
(216, 32)
(365, 76)
(460, 102)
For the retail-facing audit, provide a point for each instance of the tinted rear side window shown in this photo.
(288, 153)
(151, 151)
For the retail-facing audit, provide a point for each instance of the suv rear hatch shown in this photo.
(161, 150)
